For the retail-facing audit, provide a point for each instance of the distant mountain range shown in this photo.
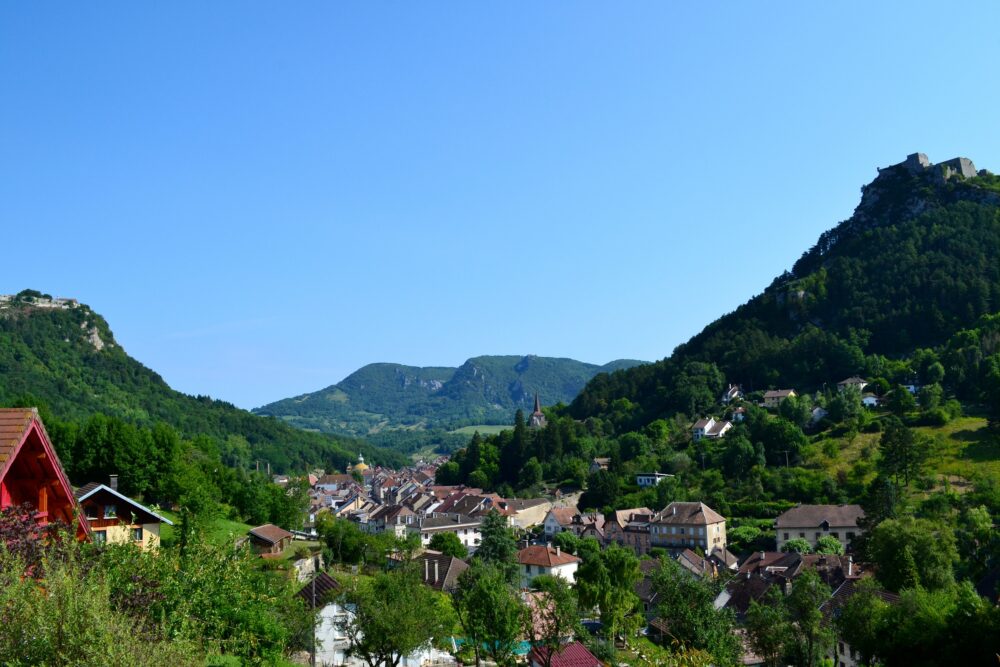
(484, 390)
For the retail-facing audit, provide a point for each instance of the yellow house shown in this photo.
(115, 518)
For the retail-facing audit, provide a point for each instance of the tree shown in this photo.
(861, 622)
(930, 397)
(688, 603)
(395, 614)
(803, 603)
(498, 546)
(902, 454)
(603, 489)
(607, 581)
(557, 618)
(798, 544)
(767, 627)
(912, 552)
(828, 544)
(845, 405)
(901, 401)
(490, 612)
(450, 544)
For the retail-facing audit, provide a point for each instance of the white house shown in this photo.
(465, 527)
(538, 559)
(709, 428)
(558, 519)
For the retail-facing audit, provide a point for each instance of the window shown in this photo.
(91, 511)
(818, 535)
(802, 534)
(137, 534)
(835, 534)
(850, 536)
(110, 511)
(100, 537)
(786, 536)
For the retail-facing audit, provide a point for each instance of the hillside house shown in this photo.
(684, 524)
(573, 654)
(709, 428)
(732, 393)
(841, 652)
(853, 382)
(543, 559)
(600, 463)
(269, 540)
(811, 522)
(30, 472)
(647, 479)
(115, 518)
(774, 397)
(870, 401)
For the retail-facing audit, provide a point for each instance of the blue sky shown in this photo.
(262, 198)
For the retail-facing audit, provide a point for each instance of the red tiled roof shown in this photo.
(570, 655)
(563, 515)
(326, 588)
(545, 556)
(14, 424)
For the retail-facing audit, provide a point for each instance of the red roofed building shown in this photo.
(30, 471)
(569, 655)
(542, 559)
(269, 540)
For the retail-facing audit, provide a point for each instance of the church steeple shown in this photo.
(537, 418)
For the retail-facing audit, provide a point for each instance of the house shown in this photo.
(811, 522)
(853, 382)
(440, 571)
(543, 559)
(685, 524)
(527, 512)
(558, 519)
(269, 540)
(599, 464)
(389, 518)
(709, 428)
(739, 415)
(646, 479)
(574, 654)
(31, 474)
(818, 414)
(732, 393)
(629, 528)
(115, 518)
(697, 565)
(644, 588)
(870, 400)
(466, 528)
(774, 397)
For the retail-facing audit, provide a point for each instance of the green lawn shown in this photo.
(218, 530)
(484, 429)
(963, 448)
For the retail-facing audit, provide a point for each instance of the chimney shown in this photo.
(558, 552)
(435, 571)
(850, 566)
(674, 508)
(113, 482)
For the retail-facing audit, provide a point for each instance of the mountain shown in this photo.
(62, 354)
(917, 262)
(484, 390)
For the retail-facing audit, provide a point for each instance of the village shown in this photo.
(408, 506)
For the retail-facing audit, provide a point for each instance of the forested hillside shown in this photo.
(64, 356)
(916, 263)
(379, 398)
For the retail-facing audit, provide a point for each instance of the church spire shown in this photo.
(537, 418)
(538, 404)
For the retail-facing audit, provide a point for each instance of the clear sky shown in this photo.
(263, 197)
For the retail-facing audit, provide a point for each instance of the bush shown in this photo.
(875, 426)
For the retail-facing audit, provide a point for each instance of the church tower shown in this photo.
(537, 418)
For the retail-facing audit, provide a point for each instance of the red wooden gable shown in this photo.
(30, 471)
